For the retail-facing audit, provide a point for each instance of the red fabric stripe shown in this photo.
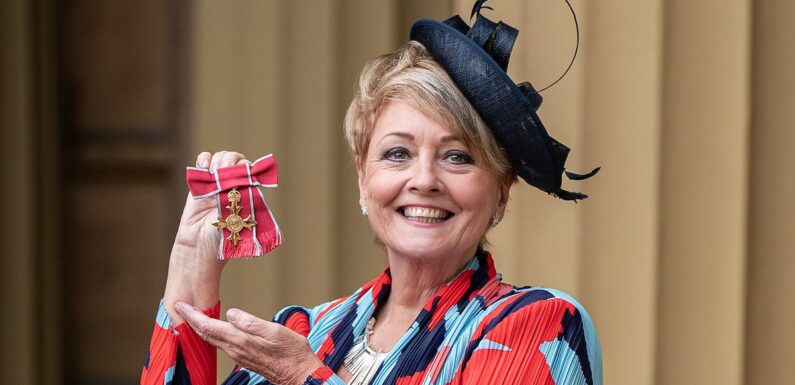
(162, 355)
(299, 323)
(523, 332)
(233, 176)
(449, 296)
(199, 355)
(200, 182)
(264, 171)
(327, 348)
(322, 373)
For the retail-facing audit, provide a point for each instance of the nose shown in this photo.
(424, 176)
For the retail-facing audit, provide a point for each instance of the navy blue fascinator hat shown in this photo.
(476, 58)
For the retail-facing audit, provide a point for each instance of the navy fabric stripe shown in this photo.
(313, 381)
(242, 377)
(181, 376)
(524, 300)
(574, 334)
(283, 316)
(476, 282)
(420, 351)
(343, 339)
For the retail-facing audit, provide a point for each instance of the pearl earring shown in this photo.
(364, 209)
(495, 220)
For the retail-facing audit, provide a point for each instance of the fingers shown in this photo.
(239, 345)
(216, 332)
(250, 324)
(203, 160)
(231, 158)
(216, 160)
(220, 159)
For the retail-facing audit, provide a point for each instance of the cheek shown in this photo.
(479, 201)
(475, 195)
(382, 188)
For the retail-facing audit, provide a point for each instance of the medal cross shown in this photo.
(234, 223)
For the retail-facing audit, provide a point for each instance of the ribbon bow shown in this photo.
(249, 228)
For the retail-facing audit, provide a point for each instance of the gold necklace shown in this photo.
(361, 361)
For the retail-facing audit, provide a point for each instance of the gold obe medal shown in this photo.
(234, 223)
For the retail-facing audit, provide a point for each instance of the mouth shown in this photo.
(425, 214)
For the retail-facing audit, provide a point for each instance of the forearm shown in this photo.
(193, 279)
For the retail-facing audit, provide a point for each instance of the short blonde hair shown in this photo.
(411, 75)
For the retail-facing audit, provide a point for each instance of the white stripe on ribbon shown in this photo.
(248, 171)
(257, 246)
(220, 244)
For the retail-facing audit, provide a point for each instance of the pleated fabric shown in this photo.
(177, 355)
(474, 330)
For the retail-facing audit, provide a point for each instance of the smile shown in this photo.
(425, 214)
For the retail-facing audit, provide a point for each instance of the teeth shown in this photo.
(425, 214)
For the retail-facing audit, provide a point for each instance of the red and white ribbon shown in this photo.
(246, 178)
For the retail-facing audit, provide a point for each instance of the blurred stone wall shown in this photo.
(682, 255)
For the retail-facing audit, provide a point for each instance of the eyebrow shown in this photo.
(406, 135)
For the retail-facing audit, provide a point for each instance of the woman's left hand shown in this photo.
(266, 348)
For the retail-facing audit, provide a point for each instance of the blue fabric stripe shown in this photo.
(282, 317)
(564, 364)
(169, 375)
(245, 377)
(460, 328)
(333, 380)
(594, 350)
(162, 319)
(489, 344)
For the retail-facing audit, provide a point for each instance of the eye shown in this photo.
(397, 154)
(458, 157)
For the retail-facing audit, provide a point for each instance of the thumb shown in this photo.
(248, 323)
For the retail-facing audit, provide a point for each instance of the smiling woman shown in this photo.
(435, 165)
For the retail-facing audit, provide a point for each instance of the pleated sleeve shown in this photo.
(538, 337)
(177, 355)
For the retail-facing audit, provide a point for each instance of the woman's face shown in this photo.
(426, 194)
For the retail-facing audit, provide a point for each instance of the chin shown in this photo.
(424, 249)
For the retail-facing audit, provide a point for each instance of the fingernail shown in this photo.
(232, 314)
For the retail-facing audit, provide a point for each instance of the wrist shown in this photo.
(314, 368)
(192, 278)
(191, 260)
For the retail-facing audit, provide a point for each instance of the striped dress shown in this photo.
(474, 330)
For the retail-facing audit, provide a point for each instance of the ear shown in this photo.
(360, 179)
(504, 194)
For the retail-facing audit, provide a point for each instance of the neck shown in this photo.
(415, 280)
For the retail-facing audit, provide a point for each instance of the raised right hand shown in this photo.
(194, 270)
(196, 228)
